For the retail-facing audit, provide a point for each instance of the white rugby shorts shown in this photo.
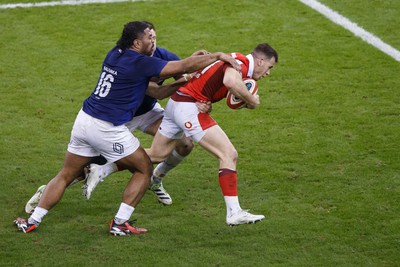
(91, 137)
(142, 122)
(184, 117)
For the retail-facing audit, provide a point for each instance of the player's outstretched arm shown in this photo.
(195, 63)
(201, 52)
(163, 91)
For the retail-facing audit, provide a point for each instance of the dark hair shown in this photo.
(151, 25)
(266, 50)
(132, 31)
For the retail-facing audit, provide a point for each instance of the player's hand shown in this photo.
(200, 53)
(203, 106)
(228, 59)
(257, 102)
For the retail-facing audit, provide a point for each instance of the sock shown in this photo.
(37, 216)
(171, 162)
(110, 168)
(120, 168)
(228, 184)
(232, 205)
(124, 213)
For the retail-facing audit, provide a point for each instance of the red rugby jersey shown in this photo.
(207, 84)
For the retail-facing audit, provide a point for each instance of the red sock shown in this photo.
(120, 168)
(228, 182)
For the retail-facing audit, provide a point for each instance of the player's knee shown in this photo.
(184, 147)
(147, 177)
(146, 167)
(234, 155)
(65, 177)
(158, 155)
(230, 155)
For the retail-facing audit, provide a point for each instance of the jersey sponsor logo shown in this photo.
(188, 125)
(118, 148)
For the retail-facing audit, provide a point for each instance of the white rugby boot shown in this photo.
(34, 201)
(157, 187)
(96, 173)
(243, 217)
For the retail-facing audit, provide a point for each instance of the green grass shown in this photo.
(320, 157)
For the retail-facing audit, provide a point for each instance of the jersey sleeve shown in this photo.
(165, 54)
(151, 66)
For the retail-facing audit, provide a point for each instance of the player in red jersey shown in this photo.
(182, 117)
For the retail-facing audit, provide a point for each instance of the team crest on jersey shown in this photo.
(188, 125)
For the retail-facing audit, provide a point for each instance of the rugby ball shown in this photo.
(234, 102)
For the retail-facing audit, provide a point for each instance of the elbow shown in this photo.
(161, 97)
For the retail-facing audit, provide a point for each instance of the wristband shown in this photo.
(187, 77)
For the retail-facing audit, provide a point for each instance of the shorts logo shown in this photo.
(188, 125)
(117, 147)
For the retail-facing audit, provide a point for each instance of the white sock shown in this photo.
(124, 213)
(37, 215)
(232, 205)
(171, 162)
(109, 168)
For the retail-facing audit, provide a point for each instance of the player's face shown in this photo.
(263, 67)
(147, 42)
(153, 32)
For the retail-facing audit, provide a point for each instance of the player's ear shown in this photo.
(137, 43)
(259, 61)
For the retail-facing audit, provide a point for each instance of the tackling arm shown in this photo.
(195, 63)
(163, 91)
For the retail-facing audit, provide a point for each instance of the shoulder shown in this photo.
(240, 57)
(165, 54)
(144, 58)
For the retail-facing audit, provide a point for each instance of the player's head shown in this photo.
(137, 35)
(265, 58)
(153, 31)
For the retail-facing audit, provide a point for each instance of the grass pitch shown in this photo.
(319, 157)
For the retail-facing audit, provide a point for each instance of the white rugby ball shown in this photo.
(234, 102)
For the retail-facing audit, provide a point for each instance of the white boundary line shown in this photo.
(62, 3)
(353, 27)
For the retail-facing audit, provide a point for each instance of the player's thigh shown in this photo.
(79, 143)
(169, 126)
(116, 145)
(152, 128)
(149, 121)
(91, 137)
(217, 142)
(153, 120)
(73, 166)
(161, 147)
(138, 161)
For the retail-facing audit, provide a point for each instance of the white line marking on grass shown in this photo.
(62, 3)
(353, 27)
